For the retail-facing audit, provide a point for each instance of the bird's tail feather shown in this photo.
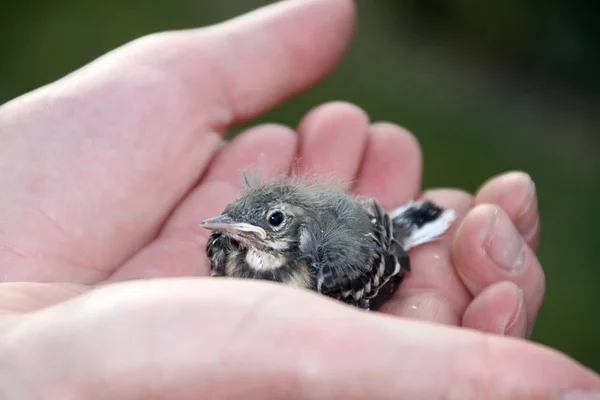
(420, 222)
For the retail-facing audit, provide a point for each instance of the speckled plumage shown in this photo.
(328, 241)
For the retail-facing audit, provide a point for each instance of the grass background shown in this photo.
(486, 87)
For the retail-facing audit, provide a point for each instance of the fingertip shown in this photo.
(390, 128)
(499, 309)
(486, 237)
(332, 110)
(486, 246)
(515, 192)
(391, 167)
(448, 195)
(332, 139)
(267, 149)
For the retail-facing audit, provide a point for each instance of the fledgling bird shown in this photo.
(320, 238)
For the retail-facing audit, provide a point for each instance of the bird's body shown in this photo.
(321, 238)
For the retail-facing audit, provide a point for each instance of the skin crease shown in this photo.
(152, 115)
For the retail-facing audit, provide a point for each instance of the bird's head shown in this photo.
(267, 218)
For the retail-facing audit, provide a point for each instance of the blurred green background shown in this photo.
(486, 87)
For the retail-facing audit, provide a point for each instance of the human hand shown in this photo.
(160, 167)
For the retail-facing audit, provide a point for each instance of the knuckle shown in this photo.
(150, 42)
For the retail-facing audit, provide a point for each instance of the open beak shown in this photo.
(225, 224)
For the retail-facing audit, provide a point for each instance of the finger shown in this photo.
(179, 248)
(332, 141)
(515, 193)
(266, 341)
(488, 249)
(432, 291)
(391, 166)
(500, 309)
(265, 151)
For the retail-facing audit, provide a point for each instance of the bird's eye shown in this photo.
(276, 218)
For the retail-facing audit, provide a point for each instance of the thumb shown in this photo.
(229, 339)
(230, 72)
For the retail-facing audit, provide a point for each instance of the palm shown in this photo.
(149, 227)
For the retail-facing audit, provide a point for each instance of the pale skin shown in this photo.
(107, 173)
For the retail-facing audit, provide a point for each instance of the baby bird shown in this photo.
(320, 238)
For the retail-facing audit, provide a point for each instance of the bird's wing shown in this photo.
(393, 260)
(368, 286)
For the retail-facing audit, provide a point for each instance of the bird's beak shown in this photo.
(224, 223)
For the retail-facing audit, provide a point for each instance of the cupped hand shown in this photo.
(126, 156)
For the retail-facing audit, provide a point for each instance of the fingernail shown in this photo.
(530, 210)
(517, 317)
(579, 395)
(504, 245)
